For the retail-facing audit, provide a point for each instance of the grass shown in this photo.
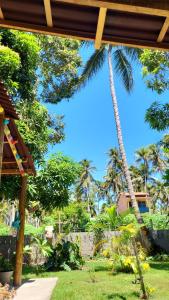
(100, 284)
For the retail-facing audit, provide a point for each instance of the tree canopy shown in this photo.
(54, 180)
(155, 72)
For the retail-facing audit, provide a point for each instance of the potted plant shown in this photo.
(6, 270)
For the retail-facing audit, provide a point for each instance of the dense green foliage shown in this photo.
(59, 65)
(54, 180)
(38, 128)
(156, 70)
(26, 57)
(158, 116)
(33, 71)
(65, 256)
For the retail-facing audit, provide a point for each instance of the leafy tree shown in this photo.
(75, 217)
(54, 180)
(157, 116)
(122, 68)
(59, 64)
(27, 57)
(31, 71)
(156, 71)
(38, 128)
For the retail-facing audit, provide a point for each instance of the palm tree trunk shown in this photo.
(120, 141)
(140, 273)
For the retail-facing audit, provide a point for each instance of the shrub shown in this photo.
(4, 230)
(32, 230)
(156, 221)
(65, 256)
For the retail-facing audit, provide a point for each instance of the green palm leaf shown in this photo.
(123, 69)
(93, 65)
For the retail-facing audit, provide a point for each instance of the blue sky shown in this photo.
(90, 128)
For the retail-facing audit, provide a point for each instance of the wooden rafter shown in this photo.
(6, 162)
(1, 13)
(100, 27)
(1, 137)
(14, 150)
(51, 31)
(48, 12)
(153, 8)
(163, 30)
(15, 172)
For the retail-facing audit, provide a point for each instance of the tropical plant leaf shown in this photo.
(123, 68)
(93, 65)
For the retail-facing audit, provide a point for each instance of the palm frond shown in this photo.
(123, 69)
(93, 65)
(132, 53)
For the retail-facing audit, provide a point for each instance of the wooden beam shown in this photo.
(2, 114)
(115, 40)
(100, 27)
(6, 142)
(14, 150)
(20, 239)
(48, 13)
(1, 13)
(155, 8)
(163, 30)
(15, 172)
(8, 162)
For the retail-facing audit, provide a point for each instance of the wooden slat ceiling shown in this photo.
(138, 23)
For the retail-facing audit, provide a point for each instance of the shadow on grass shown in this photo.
(160, 266)
(120, 296)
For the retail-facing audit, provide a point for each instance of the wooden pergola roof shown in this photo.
(136, 23)
(16, 157)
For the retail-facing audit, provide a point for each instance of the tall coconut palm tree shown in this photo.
(156, 157)
(122, 68)
(160, 195)
(137, 179)
(85, 181)
(113, 183)
(143, 157)
(115, 173)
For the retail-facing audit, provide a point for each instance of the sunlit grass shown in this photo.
(100, 284)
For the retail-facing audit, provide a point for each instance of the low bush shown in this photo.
(65, 256)
(4, 230)
(159, 258)
(32, 230)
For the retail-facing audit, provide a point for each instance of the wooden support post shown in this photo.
(20, 238)
(100, 27)
(1, 137)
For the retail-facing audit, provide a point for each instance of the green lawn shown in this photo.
(79, 285)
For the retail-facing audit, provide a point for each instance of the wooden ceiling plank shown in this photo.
(163, 30)
(100, 27)
(48, 12)
(125, 7)
(118, 41)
